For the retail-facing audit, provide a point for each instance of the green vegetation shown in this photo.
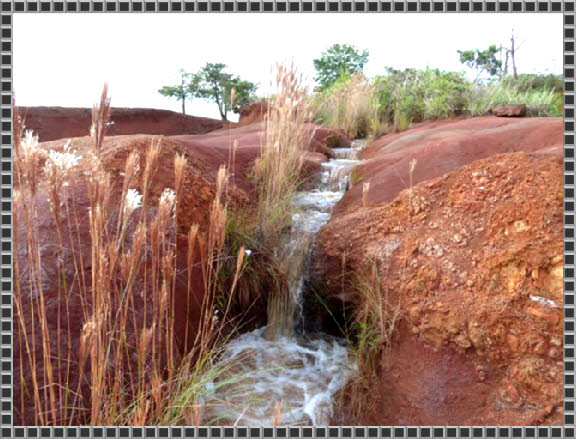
(483, 61)
(339, 60)
(227, 91)
(350, 104)
(183, 91)
(544, 101)
(393, 101)
(211, 83)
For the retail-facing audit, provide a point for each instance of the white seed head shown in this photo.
(132, 202)
(167, 199)
(62, 161)
(29, 144)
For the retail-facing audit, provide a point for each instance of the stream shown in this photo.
(289, 378)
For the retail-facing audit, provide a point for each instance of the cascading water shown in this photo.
(273, 373)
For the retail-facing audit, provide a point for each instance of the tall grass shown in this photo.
(350, 105)
(121, 364)
(278, 169)
(393, 101)
(539, 102)
(374, 322)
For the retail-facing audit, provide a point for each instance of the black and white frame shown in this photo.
(9, 8)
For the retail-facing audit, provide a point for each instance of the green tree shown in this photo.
(338, 60)
(187, 88)
(216, 86)
(482, 60)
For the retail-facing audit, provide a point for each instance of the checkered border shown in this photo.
(10, 7)
(288, 6)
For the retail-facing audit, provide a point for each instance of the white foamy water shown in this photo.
(294, 378)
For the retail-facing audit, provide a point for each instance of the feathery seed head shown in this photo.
(167, 199)
(132, 201)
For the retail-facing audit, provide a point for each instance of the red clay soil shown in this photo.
(217, 147)
(473, 262)
(204, 153)
(442, 146)
(52, 123)
(198, 193)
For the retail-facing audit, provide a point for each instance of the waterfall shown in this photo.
(274, 370)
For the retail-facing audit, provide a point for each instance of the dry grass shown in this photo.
(278, 173)
(277, 415)
(278, 169)
(351, 106)
(127, 369)
(375, 320)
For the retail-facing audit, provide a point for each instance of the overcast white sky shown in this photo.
(63, 59)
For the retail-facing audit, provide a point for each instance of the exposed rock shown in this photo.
(474, 299)
(51, 123)
(252, 113)
(217, 148)
(511, 110)
(204, 154)
(441, 146)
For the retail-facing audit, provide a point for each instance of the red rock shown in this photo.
(442, 146)
(253, 113)
(512, 393)
(497, 305)
(512, 110)
(51, 123)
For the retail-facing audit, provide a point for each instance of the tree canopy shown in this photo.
(186, 90)
(338, 60)
(227, 91)
(482, 60)
(213, 84)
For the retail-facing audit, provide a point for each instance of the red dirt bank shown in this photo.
(442, 146)
(473, 260)
(51, 123)
(205, 153)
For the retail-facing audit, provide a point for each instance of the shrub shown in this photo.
(416, 95)
(542, 101)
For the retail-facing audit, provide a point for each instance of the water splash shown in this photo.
(300, 375)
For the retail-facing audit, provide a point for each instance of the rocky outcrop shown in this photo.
(252, 113)
(51, 123)
(441, 146)
(472, 261)
(511, 110)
